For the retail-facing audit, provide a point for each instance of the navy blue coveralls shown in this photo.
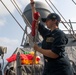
(55, 41)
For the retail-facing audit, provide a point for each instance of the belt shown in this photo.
(49, 60)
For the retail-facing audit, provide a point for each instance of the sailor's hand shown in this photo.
(31, 1)
(36, 47)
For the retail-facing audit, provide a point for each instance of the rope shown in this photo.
(74, 2)
(14, 18)
(50, 5)
(20, 12)
(55, 12)
(16, 6)
(12, 15)
(64, 19)
(59, 12)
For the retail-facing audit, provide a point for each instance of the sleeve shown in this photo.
(59, 45)
(42, 30)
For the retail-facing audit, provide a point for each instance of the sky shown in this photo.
(11, 34)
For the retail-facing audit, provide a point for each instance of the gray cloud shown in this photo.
(2, 22)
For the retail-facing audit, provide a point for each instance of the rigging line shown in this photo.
(74, 2)
(54, 11)
(12, 15)
(16, 7)
(20, 12)
(64, 25)
(58, 12)
(27, 22)
(49, 5)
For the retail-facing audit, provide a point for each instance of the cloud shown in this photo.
(4, 12)
(6, 41)
(9, 5)
(2, 22)
(73, 19)
(24, 2)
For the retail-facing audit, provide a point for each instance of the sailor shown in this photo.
(56, 61)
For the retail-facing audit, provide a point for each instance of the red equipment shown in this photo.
(36, 17)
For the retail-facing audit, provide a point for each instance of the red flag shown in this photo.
(36, 16)
(12, 58)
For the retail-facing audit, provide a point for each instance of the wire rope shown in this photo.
(12, 15)
(14, 18)
(20, 12)
(74, 2)
(64, 19)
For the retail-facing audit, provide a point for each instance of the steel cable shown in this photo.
(14, 18)
(12, 15)
(63, 18)
(50, 6)
(55, 12)
(20, 12)
(74, 2)
(59, 12)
